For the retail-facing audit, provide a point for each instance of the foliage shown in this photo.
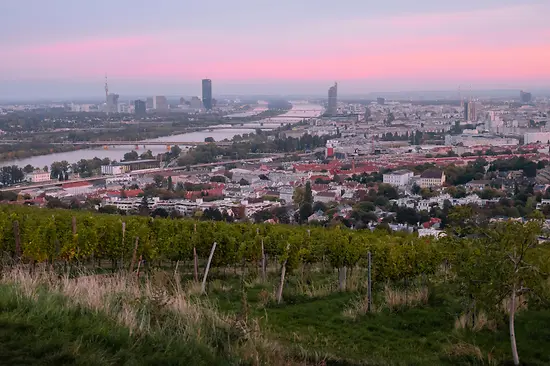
(47, 234)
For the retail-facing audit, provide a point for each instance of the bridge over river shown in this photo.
(120, 143)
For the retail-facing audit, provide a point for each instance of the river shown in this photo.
(117, 152)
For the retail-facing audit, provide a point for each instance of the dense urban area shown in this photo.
(273, 231)
(400, 165)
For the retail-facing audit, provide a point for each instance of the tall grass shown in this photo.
(395, 299)
(156, 305)
(475, 322)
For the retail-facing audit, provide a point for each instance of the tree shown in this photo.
(501, 263)
(169, 183)
(143, 208)
(308, 194)
(28, 169)
(319, 206)
(298, 196)
(406, 215)
(209, 139)
(281, 213)
(159, 212)
(159, 180)
(131, 156)
(261, 216)
(305, 211)
(388, 191)
(415, 189)
(244, 182)
(175, 151)
(147, 155)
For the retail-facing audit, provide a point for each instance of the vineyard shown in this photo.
(35, 235)
(278, 294)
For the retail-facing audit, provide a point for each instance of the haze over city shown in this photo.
(64, 48)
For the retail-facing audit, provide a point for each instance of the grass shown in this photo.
(117, 320)
(420, 326)
(46, 330)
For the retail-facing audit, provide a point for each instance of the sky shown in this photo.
(64, 48)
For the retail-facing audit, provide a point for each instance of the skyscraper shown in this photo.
(112, 103)
(207, 94)
(140, 107)
(160, 103)
(466, 111)
(525, 97)
(149, 103)
(472, 111)
(332, 100)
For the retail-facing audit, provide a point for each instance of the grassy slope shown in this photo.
(414, 336)
(48, 332)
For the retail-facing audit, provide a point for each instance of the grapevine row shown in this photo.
(55, 235)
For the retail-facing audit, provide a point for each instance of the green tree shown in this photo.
(308, 194)
(131, 156)
(28, 168)
(144, 207)
(169, 183)
(159, 180)
(306, 210)
(147, 155)
(502, 263)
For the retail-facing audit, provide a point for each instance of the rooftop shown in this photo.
(432, 174)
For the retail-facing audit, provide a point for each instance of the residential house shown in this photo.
(477, 184)
(325, 197)
(318, 216)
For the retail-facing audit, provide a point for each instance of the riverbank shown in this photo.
(73, 154)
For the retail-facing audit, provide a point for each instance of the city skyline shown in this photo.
(382, 47)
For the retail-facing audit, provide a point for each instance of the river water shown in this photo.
(117, 152)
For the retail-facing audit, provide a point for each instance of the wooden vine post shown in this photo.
(263, 263)
(369, 282)
(203, 287)
(134, 255)
(195, 258)
(123, 241)
(283, 273)
(74, 225)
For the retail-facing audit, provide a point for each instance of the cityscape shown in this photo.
(200, 191)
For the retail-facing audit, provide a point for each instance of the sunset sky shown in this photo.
(65, 47)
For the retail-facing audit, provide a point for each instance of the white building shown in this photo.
(78, 188)
(113, 169)
(398, 178)
(36, 177)
(120, 179)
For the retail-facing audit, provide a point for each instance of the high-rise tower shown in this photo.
(332, 107)
(207, 94)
